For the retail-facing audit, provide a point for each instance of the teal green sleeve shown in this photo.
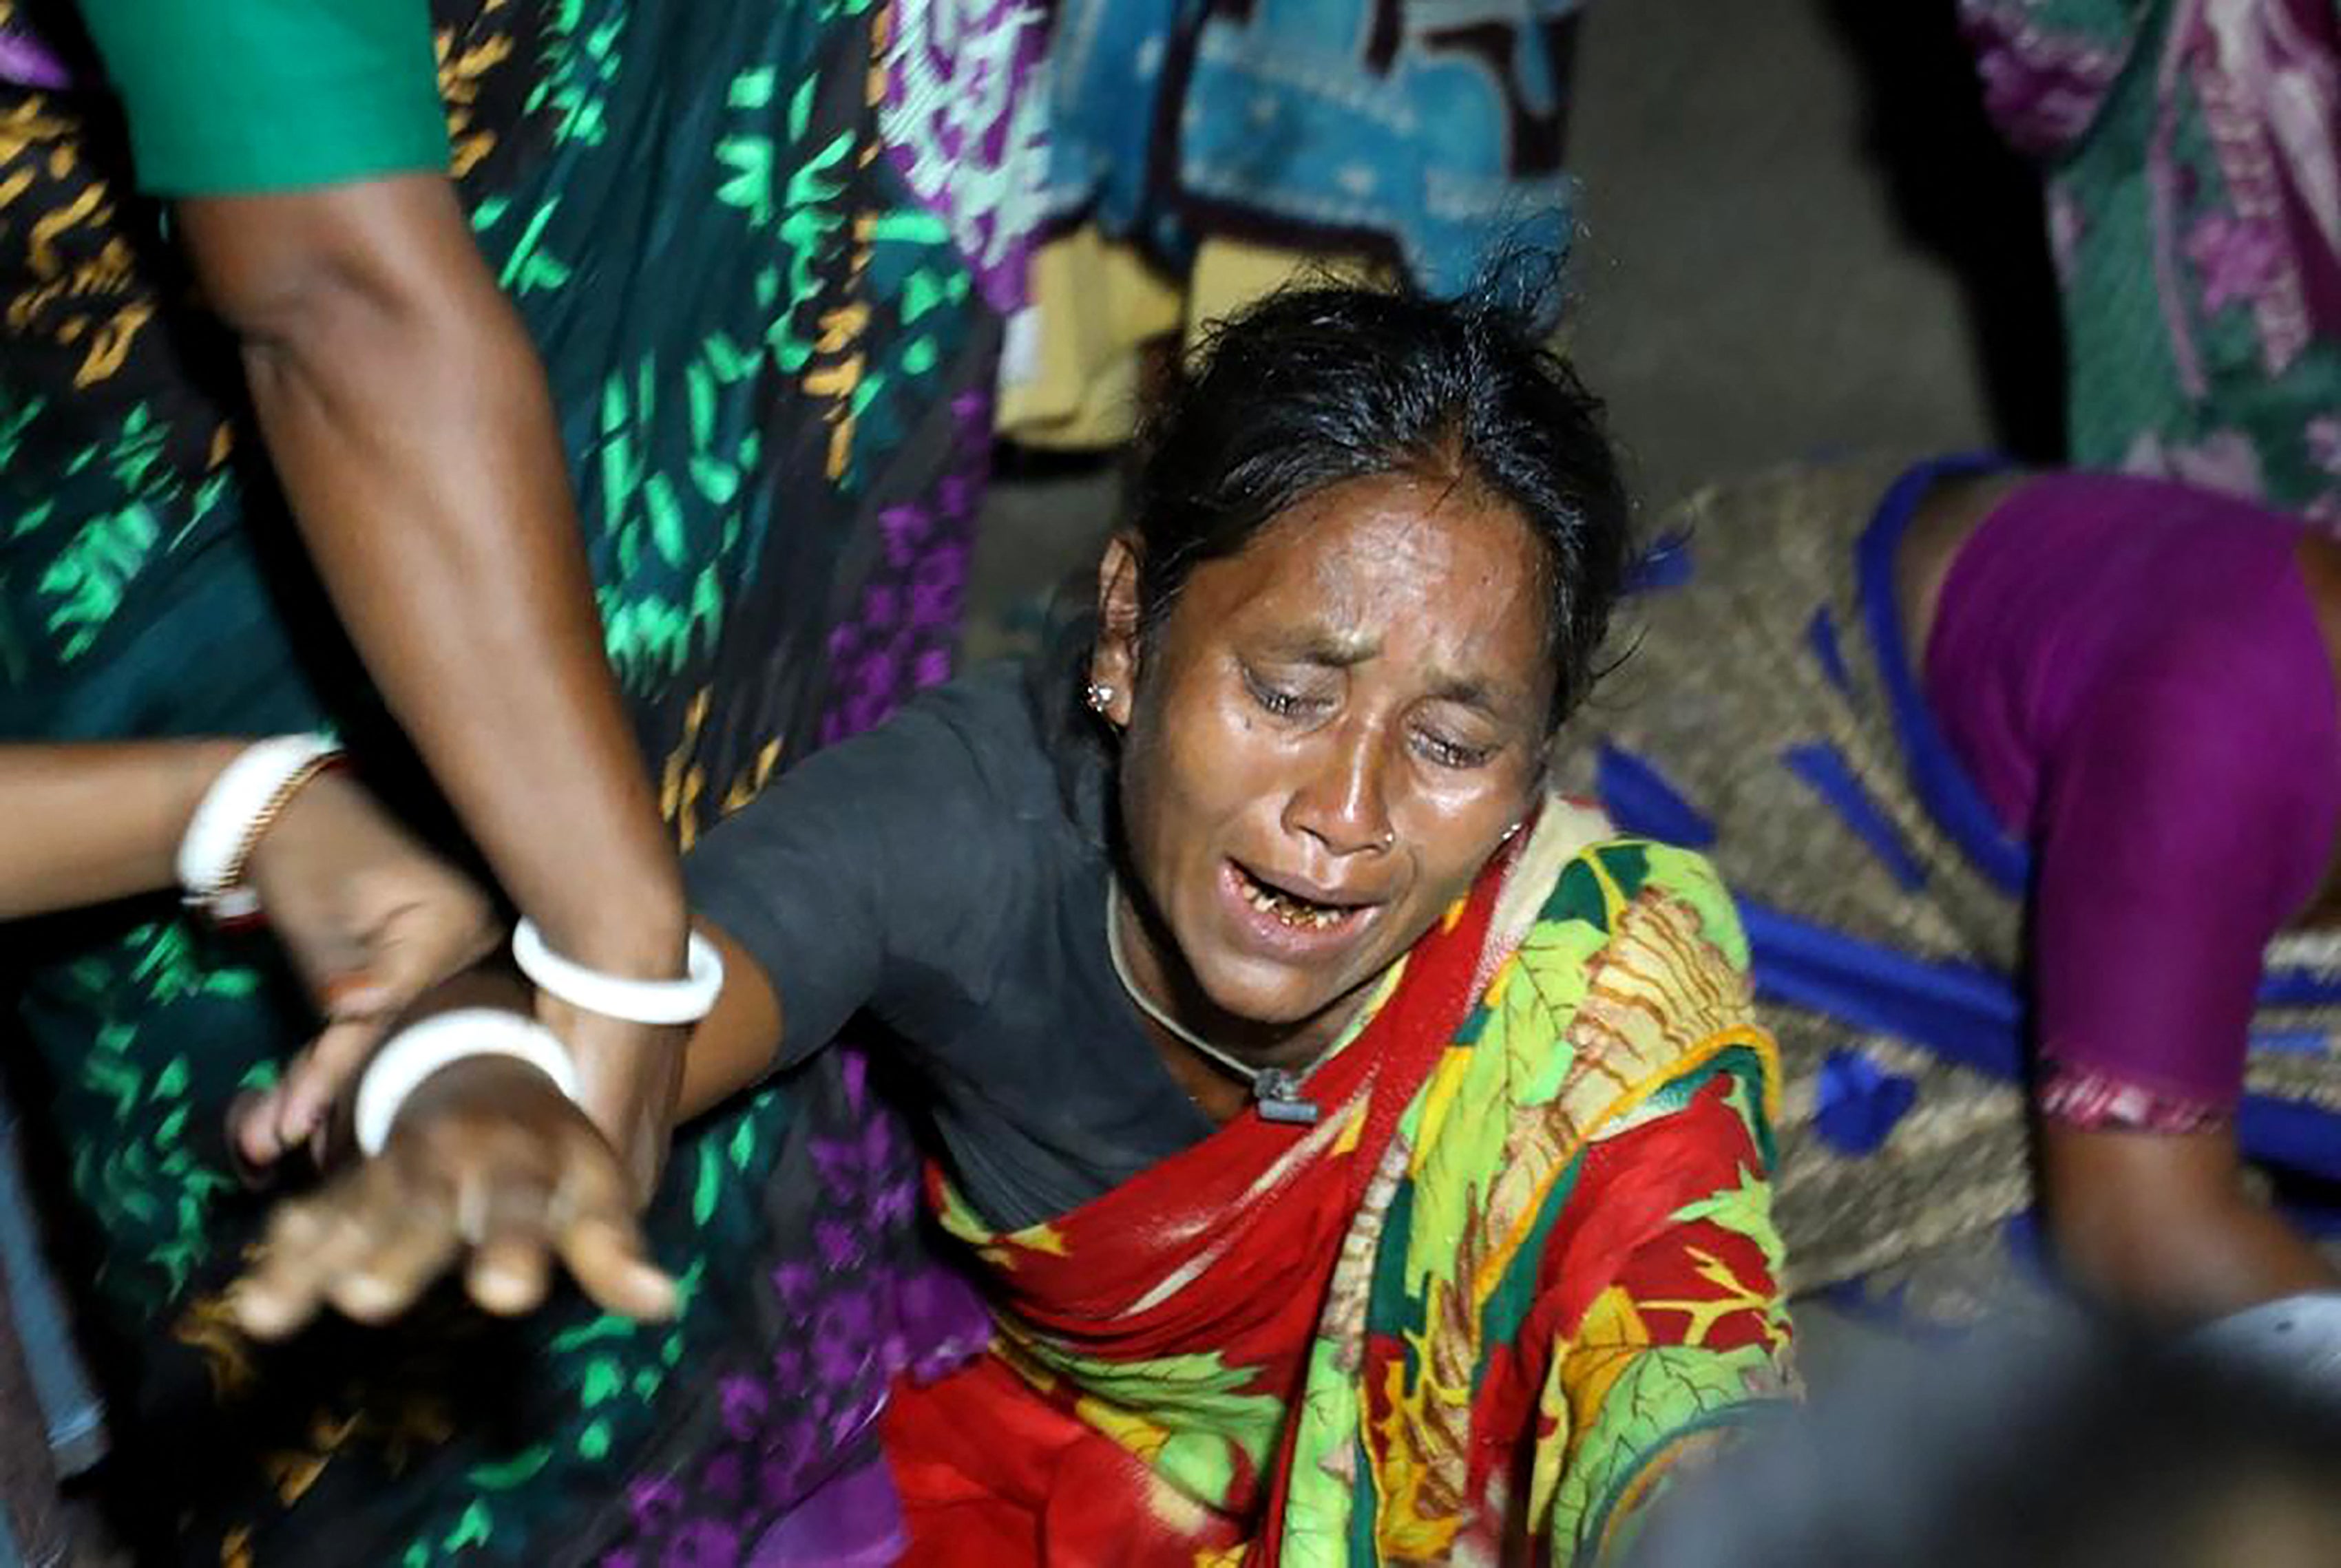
(228, 97)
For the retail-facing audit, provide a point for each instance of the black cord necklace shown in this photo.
(1275, 1090)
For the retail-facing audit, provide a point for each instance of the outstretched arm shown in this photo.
(487, 1137)
(408, 418)
(829, 894)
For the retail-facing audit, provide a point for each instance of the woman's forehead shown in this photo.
(1429, 571)
(1392, 536)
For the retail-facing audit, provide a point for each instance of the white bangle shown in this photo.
(240, 805)
(683, 1001)
(420, 1049)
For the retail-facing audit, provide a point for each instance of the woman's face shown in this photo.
(1331, 731)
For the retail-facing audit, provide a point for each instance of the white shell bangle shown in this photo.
(421, 1048)
(683, 1001)
(239, 805)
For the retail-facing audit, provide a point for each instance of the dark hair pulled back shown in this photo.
(1315, 386)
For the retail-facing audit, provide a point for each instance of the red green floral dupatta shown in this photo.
(1522, 1266)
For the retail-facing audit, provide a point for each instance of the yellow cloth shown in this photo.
(1076, 355)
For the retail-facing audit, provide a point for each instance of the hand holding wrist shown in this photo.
(237, 810)
(422, 1050)
(681, 1001)
(638, 933)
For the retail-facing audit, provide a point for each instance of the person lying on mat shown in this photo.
(2028, 785)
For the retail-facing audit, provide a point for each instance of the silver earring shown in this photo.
(1100, 697)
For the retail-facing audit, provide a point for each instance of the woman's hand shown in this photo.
(628, 1075)
(486, 1166)
(407, 417)
(371, 919)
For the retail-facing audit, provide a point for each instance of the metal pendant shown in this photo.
(1278, 1094)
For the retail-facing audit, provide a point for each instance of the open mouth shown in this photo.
(1289, 909)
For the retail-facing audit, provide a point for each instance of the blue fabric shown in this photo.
(1820, 635)
(2298, 988)
(1668, 563)
(1410, 130)
(71, 1408)
(1968, 1014)
(1937, 775)
(2299, 1042)
(2319, 1219)
(1640, 800)
(1824, 769)
(1963, 1012)
(1856, 1103)
(1106, 97)
(2027, 1241)
(2284, 1133)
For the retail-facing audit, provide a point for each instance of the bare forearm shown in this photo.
(2161, 1225)
(2257, 1254)
(446, 537)
(408, 419)
(733, 1047)
(2200, 1265)
(728, 1050)
(81, 824)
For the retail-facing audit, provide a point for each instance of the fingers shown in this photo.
(369, 1249)
(601, 1243)
(331, 953)
(517, 1198)
(254, 1128)
(509, 1223)
(328, 1069)
(267, 1124)
(282, 1290)
(416, 944)
(416, 947)
(605, 1256)
(316, 1247)
(585, 1220)
(355, 994)
(361, 904)
(379, 1285)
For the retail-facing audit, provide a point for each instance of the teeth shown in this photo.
(1289, 910)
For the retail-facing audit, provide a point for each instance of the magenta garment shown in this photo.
(2132, 671)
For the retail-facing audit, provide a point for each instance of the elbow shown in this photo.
(324, 271)
(299, 302)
